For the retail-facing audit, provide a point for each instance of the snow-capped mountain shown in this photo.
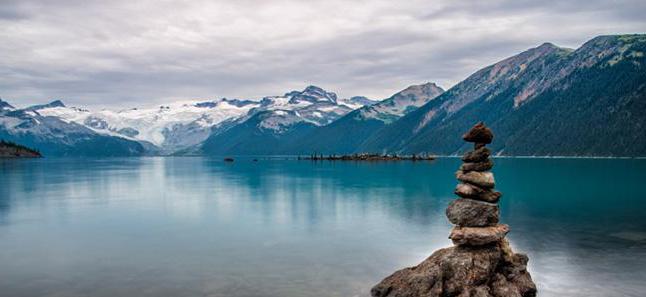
(5, 106)
(542, 101)
(312, 105)
(168, 127)
(176, 126)
(358, 101)
(350, 131)
(55, 137)
(401, 103)
(277, 120)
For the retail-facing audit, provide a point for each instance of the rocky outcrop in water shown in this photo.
(13, 150)
(481, 264)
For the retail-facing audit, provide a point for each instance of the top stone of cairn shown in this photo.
(479, 134)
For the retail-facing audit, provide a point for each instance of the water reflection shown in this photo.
(199, 226)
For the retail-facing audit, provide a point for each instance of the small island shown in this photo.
(13, 150)
(368, 157)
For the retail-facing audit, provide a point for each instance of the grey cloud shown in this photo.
(10, 13)
(128, 53)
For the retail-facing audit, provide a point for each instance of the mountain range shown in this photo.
(545, 101)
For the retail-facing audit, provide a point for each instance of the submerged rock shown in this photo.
(462, 271)
(478, 235)
(472, 213)
(479, 134)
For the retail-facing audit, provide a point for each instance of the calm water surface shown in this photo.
(201, 227)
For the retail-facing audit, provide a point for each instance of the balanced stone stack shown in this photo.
(476, 212)
(482, 263)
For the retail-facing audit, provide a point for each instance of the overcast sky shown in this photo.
(129, 53)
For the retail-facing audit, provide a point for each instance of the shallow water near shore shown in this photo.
(203, 227)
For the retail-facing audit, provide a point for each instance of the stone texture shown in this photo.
(479, 166)
(476, 193)
(489, 196)
(472, 213)
(477, 155)
(478, 235)
(461, 271)
(478, 178)
(468, 191)
(482, 263)
(479, 134)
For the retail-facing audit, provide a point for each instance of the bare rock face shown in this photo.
(479, 134)
(471, 213)
(478, 236)
(461, 271)
(477, 178)
(479, 166)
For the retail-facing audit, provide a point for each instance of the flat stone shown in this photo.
(477, 178)
(468, 191)
(479, 166)
(489, 196)
(477, 193)
(472, 213)
(478, 235)
(479, 134)
(477, 155)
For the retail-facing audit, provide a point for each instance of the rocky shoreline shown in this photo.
(482, 263)
(13, 150)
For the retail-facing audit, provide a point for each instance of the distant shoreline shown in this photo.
(295, 157)
(302, 157)
(367, 157)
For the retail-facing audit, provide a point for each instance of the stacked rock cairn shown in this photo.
(476, 212)
(481, 263)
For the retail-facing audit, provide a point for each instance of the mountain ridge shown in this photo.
(348, 132)
(553, 81)
(542, 101)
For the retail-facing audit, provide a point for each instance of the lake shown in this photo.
(202, 227)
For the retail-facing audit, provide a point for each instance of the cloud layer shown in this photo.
(130, 53)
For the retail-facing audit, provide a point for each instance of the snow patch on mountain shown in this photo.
(401, 103)
(183, 124)
(155, 125)
(357, 102)
(5, 106)
(312, 105)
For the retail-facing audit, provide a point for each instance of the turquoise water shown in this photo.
(202, 227)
